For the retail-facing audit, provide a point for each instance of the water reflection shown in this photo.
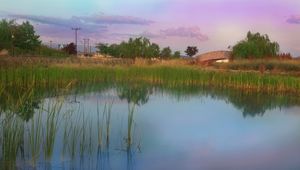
(41, 132)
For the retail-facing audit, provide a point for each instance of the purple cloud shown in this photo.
(183, 32)
(92, 26)
(56, 23)
(189, 32)
(115, 19)
(294, 19)
(151, 35)
(49, 20)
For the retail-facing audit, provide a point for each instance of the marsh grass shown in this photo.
(77, 134)
(272, 65)
(71, 133)
(52, 123)
(12, 141)
(58, 77)
(35, 135)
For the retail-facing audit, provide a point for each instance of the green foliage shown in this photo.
(20, 36)
(6, 30)
(191, 51)
(176, 54)
(275, 66)
(133, 48)
(166, 53)
(255, 45)
(25, 38)
(50, 52)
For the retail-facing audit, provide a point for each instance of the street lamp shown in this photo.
(12, 44)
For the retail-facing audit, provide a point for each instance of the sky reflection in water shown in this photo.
(178, 132)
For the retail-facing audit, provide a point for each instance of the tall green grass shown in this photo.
(35, 135)
(12, 140)
(57, 77)
(52, 123)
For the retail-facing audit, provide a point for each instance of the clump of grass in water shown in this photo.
(76, 134)
(13, 133)
(104, 125)
(52, 124)
(71, 135)
(35, 137)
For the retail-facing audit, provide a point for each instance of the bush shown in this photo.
(255, 46)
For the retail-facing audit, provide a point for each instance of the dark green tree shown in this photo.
(191, 51)
(25, 37)
(166, 53)
(255, 46)
(176, 54)
(7, 29)
(153, 51)
(103, 48)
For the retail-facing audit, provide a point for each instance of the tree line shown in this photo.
(22, 37)
(138, 47)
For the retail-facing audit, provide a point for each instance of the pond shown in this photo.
(147, 127)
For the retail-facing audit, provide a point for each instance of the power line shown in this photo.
(76, 29)
(86, 46)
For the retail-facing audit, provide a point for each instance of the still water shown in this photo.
(153, 128)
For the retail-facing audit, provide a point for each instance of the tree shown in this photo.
(176, 54)
(102, 48)
(166, 52)
(70, 49)
(153, 51)
(191, 51)
(255, 45)
(6, 32)
(21, 36)
(25, 37)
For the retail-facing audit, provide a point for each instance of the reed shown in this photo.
(35, 135)
(52, 123)
(130, 121)
(56, 78)
(12, 141)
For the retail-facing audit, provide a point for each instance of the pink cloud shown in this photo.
(182, 32)
(188, 32)
(294, 19)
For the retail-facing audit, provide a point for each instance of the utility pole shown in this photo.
(76, 29)
(86, 46)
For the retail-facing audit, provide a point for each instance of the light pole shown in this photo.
(12, 44)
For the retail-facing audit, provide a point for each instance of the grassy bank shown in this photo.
(275, 66)
(55, 77)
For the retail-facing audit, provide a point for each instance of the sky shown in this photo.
(208, 24)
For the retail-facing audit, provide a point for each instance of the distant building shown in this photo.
(214, 56)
